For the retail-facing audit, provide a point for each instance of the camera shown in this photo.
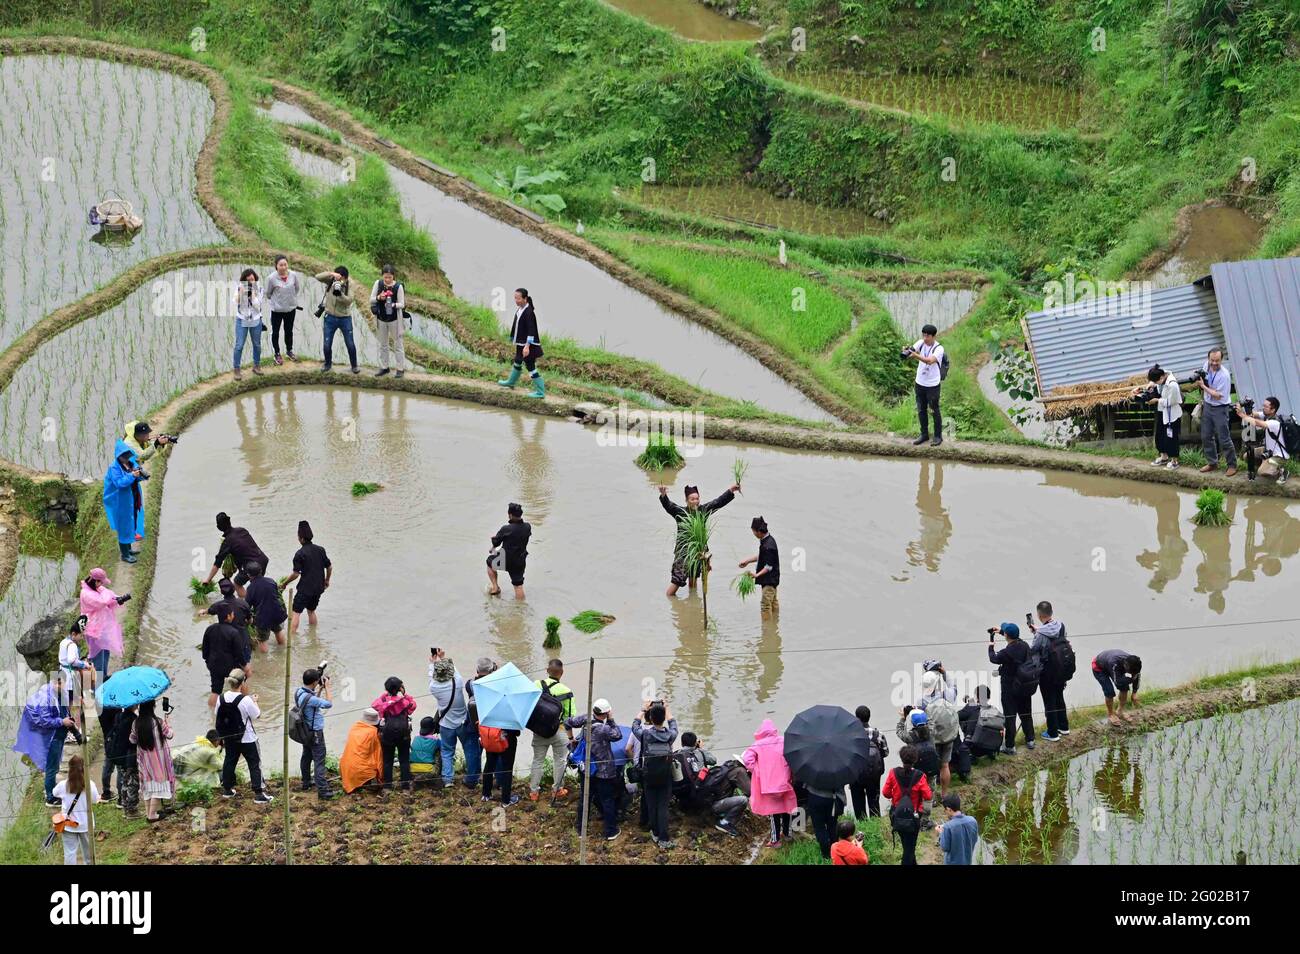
(907, 352)
(337, 288)
(1248, 405)
(993, 631)
(1201, 376)
(1150, 394)
(76, 735)
(168, 438)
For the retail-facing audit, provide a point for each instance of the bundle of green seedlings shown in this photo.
(552, 640)
(744, 584)
(1209, 509)
(200, 591)
(590, 621)
(738, 471)
(660, 452)
(363, 489)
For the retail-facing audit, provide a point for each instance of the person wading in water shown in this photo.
(678, 513)
(510, 551)
(528, 344)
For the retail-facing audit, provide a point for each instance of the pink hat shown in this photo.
(98, 574)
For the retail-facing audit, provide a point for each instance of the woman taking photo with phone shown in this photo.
(248, 319)
(150, 736)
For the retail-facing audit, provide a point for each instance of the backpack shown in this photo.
(944, 725)
(378, 310)
(1027, 675)
(1289, 435)
(396, 729)
(903, 817)
(1059, 659)
(300, 730)
(493, 739)
(875, 757)
(657, 763)
(547, 713)
(927, 757)
(943, 366)
(230, 721)
(987, 736)
(961, 760)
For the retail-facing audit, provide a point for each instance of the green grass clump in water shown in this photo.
(200, 592)
(362, 489)
(1209, 509)
(590, 621)
(552, 640)
(660, 452)
(744, 585)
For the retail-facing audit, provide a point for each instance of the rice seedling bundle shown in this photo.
(588, 621)
(744, 585)
(552, 640)
(660, 452)
(738, 471)
(200, 591)
(362, 489)
(1209, 509)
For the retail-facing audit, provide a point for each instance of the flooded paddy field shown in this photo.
(67, 404)
(689, 19)
(750, 205)
(885, 562)
(1217, 791)
(75, 130)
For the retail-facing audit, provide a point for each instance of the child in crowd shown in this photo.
(848, 849)
(426, 750)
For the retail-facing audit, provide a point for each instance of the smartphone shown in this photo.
(433, 651)
(1029, 619)
(167, 704)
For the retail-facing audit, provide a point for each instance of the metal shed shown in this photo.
(1259, 306)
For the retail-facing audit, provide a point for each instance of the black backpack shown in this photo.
(657, 763)
(1289, 435)
(1027, 676)
(961, 760)
(396, 729)
(903, 817)
(1059, 659)
(547, 714)
(230, 721)
(300, 730)
(875, 758)
(927, 757)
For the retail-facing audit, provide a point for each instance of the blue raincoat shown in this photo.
(41, 718)
(123, 504)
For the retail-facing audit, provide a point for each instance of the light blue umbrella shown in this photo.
(506, 698)
(132, 686)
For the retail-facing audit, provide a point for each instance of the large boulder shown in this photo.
(40, 644)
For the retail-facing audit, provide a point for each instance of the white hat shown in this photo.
(601, 705)
(370, 715)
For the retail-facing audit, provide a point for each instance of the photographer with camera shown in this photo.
(234, 723)
(248, 320)
(1019, 675)
(103, 631)
(930, 371)
(656, 740)
(388, 304)
(1271, 455)
(1167, 398)
(1215, 383)
(124, 499)
(336, 312)
(282, 290)
(312, 699)
(43, 727)
(138, 436)
(605, 779)
(153, 755)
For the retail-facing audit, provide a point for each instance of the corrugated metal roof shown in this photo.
(1104, 340)
(1259, 302)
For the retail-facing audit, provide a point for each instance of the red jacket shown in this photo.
(387, 705)
(894, 792)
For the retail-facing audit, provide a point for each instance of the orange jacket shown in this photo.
(361, 761)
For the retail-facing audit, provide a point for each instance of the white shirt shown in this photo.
(1221, 381)
(248, 307)
(80, 814)
(928, 374)
(1170, 401)
(250, 710)
(1273, 439)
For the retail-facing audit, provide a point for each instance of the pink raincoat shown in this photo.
(771, 787)
(103, 631)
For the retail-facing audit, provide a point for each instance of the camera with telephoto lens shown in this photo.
(907, 352)
(337, 288)
(1248, 405)
(168, 439)
(1150, 394)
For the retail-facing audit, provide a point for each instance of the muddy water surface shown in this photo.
(72, 130)
(689, 19)
(485, 260)
(1217, 791)
(1216, 234)
(882, 559)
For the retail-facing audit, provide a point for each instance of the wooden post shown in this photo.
(586, 770)
(285, 786)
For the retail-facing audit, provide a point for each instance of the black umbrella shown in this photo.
(826, 747)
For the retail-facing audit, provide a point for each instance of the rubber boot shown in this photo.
(539, 389)
(125, 550)
(514, 376)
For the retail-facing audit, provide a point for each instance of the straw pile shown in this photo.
(1070, 399)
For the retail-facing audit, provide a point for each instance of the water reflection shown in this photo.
(936, 526)
(1269, 534)
(1118, 782)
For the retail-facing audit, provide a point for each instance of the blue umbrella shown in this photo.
(132, 686)
(505, 698)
